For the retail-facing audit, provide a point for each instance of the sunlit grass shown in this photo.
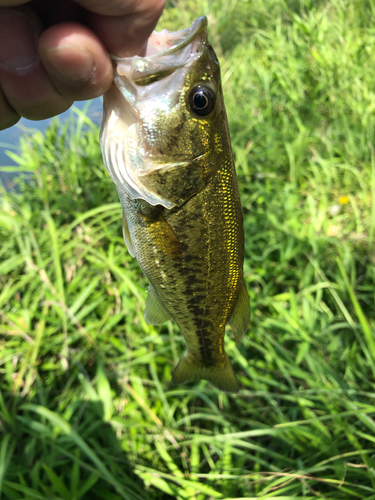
(86, 406)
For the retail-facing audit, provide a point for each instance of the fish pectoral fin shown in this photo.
(126, 235)
(221, 376)
(240, 317)
(164, 237)
(155, 313)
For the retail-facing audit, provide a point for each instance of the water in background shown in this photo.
(9, 138)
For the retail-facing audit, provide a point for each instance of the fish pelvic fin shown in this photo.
(126, 235)
(221, 376)
(155, 313)
(240, 317)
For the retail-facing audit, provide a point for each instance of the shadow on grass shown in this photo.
(70, 453)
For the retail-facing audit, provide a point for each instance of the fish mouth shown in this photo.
(175, 41)
(166, 52)
(165, 43)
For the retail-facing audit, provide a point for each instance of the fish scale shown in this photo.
(184, 224)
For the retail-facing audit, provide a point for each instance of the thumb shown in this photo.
(123, 26)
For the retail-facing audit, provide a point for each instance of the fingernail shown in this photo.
(18, 41)
(71, 64)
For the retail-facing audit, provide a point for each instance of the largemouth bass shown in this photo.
(166, 145)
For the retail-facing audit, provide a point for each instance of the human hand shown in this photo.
(55, 52)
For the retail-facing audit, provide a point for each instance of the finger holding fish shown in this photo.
(54, 52)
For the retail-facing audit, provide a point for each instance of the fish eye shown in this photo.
(202, 100)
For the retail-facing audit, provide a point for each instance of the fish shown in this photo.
(166, 145)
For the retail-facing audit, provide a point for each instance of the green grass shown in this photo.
(86, 409)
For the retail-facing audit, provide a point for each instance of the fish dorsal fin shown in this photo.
(126, 234)
(240, 317)
(155, 314)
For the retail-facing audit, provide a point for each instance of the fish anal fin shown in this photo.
(221, 376)
(240, 317)
(126, 235)
(155, 313)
